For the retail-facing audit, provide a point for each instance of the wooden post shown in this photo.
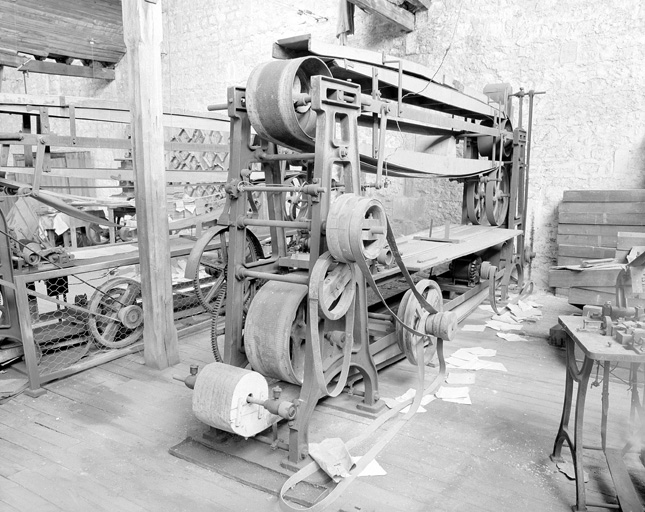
(142, 30)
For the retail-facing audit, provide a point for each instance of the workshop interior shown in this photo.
(348, 255)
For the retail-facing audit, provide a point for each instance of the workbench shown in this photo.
(603, 349)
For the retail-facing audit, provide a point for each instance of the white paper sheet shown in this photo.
(473, 328)
(509, 336)
(372, 469)
(502, 326)
(460, 378)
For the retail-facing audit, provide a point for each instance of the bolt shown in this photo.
(277, 391)
(194, 369)
(343, 152)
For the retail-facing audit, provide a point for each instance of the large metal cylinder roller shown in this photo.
(220, 399)
(356, 228)
(275, 331)
(278, 101)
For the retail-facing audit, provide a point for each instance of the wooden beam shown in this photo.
(142, 27)
(56, 68)
(397, 15)
(418, 5)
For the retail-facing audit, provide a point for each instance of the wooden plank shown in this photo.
(142, 23)
(604, 196)
(594, 207)
(393, 13)
(608, 241)
(625, 219)
(586, 251)
(584, 278)
(626, 240)
(627, 496)
(56, 68)
(602, 230)
(170, 176)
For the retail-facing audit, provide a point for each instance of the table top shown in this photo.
(595, 345)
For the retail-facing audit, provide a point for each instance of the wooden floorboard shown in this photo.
(99, 440)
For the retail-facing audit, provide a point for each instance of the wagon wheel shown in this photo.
(116, 315)
(497, 197)
(208, 263)
(475, 201)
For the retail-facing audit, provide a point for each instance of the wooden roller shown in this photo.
(220, 399)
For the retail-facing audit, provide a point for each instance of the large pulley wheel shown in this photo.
(278, 100)
(208, 262)
(412, 313)
(356, 228)
(275, 331)
(475, 201)
(497, 197)
(116, 314)
(486, 144)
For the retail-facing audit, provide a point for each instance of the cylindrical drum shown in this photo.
(219, 399)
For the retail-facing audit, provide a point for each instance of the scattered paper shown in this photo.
(473, 328)
(372, 469)
(333, 457)
(490, 365)
(460, 378)
(406, 409)
(568, 469)
(482, 352)
(464, 401)
(502, 326)
(450, 392)
(509, 336)
(505, 318)
(410, 393)
(486, 307)
(463, 353)
(427, 399)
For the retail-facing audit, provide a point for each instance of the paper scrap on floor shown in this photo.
(373, 468)
(509, 336)
(486, 307)
(473, 328)
(408, 395)
(505, 318)
(468, 359)
(460, 395)
(503, 326)
(460, 378)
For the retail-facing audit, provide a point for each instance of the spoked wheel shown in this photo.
(116, 315)
(295, 204)
(497, 197)
(208, 263)
(475, 201)
(414, 315)
(275, 331)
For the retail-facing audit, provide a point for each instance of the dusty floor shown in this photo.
(99, 440)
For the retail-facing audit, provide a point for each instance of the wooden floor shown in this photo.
(99, 440)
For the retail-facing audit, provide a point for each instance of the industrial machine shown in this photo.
(295, 278)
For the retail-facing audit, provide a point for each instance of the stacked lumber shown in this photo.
(596, 230)
(589, 222)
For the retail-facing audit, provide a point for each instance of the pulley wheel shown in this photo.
(278, 100)
(475, 201)
(356, 228)
(497, 197)
(275, 331)
(485, 144)
(112, 309)
(414, 315)
(336, 286)
(208, 263)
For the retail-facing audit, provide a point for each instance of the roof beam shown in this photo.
(393, 13)
(57, 68)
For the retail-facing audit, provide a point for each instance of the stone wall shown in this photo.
(589, 128)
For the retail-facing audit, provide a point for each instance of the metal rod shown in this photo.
(278, 188)
(287, 157)
(242, 272)
(245, 221)
(11, 136)
(217, 106)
